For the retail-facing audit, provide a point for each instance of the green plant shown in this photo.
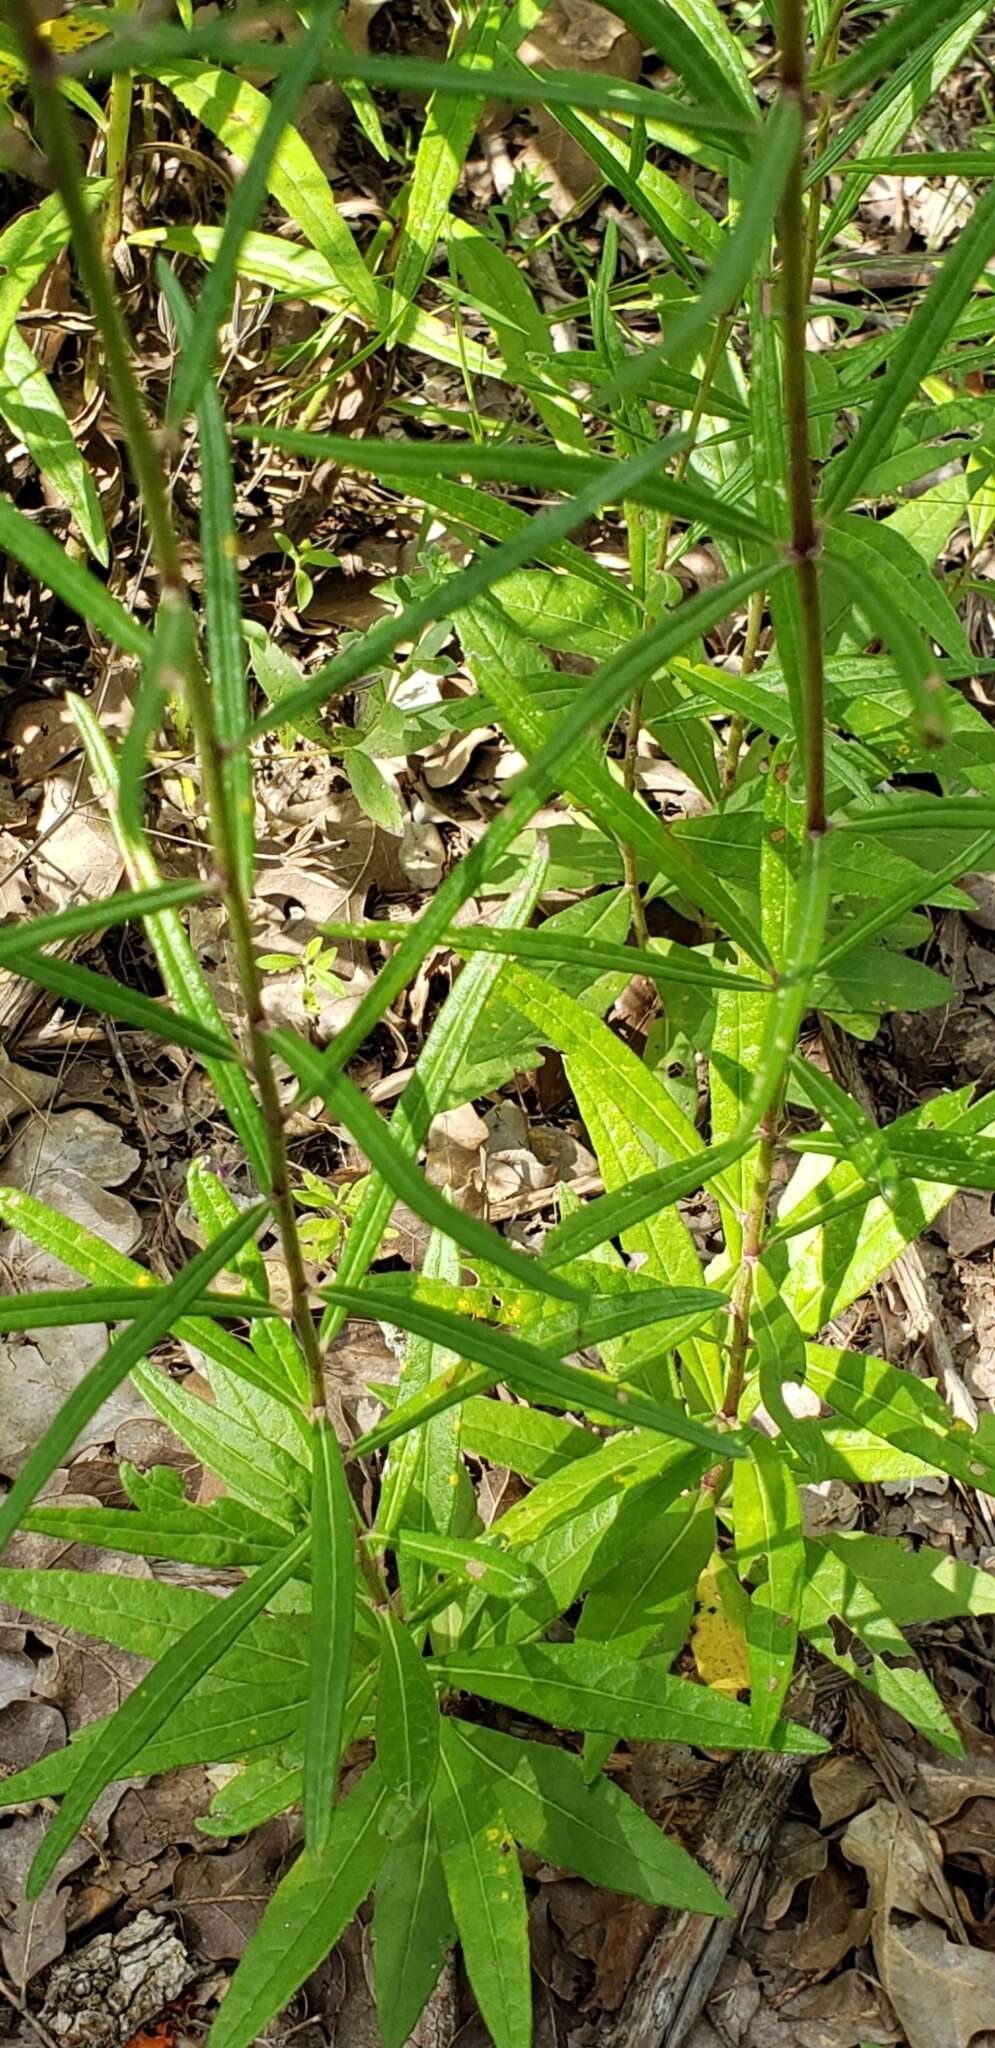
(804, 874)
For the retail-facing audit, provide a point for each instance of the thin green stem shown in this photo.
(116, 160)
(754, 1233)
(57, 137)
(804, 533)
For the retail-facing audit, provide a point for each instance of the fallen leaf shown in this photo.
(837, 1920)
(942, 1991)
(841, 1786)
(21, 1090)
(799, 1853)
(573, 35)
(222, 1897)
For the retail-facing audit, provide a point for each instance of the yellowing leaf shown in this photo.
(718, 1642)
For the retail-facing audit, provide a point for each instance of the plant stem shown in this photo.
(754, 1231)
(116, 160)
(146, 461)
(804, 533)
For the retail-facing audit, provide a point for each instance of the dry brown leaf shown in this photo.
(223, 1897)
(799, 1853)
(837, 1920)
(942, 1992)
(942, 1784)
(573, 35)
(454, 1155)
(21, 1090)
(33, 1932)
(844, 2013)
(841, 1786)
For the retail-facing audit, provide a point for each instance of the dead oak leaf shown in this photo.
(222, 1897)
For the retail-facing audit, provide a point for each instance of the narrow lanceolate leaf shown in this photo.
(33, 411)
(166, 1305)
(448, 132)
(180, 970)
(522, 1364)
(906, 29)
(407, 1182)
(668, 962)
(333, 1601)
(151, 1703)
(914, 355)
(58, 927)
(507, 1578)
(222, 601)
(484, 1881)
(582, 1685)
(304, 1918)
(58, 1308)
(596, 1830)
(732, 269)
(412, 1930)
(45, 560)
(110, 998)
(594, 704)
(407, 1726)
(196, 363)
(768, 1524)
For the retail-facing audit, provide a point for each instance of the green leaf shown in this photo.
(581, 1685)
(110, 998)
(551, 945)
(100, 1264)
(143, 1712)
(596, 1830)
(413, 1930)
(915, 1586)
(763, 185)
(528, 1440)
(486, 1892)
(262, 1474)
(122, 1355)
(695, 40)
(832, 1590)
(504, 665)
(180, 971)
(496, 285)
(914, 355)
(372, 791)
(333, 1600)
(407, 1183)
(908, 28)
(305, 1917)
(79, 919)
(34, 413)
(61, 1307)
(276, 159)
(407, 1726)
(507, 1578)
(768, 1523)
(570, 1386)
(900, 1410)
(226, 1533)
(40, 554)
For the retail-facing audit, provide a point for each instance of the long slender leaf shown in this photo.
(569, 1386)
(110, 998)
(145, 1709)
(333, 1601)
(166, 1305)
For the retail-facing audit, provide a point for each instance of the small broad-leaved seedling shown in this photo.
(693, 411)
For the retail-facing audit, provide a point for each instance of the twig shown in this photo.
(680, 1966)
